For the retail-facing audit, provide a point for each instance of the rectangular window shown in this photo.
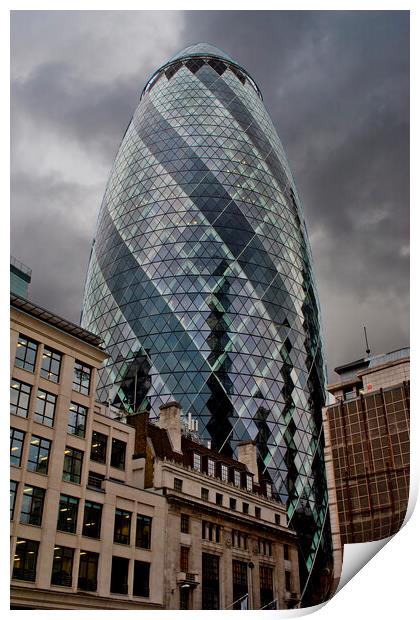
(32, 505)
(211, 467)
(245, 508)
(287, 581)
(76, 422)
(210, 531)
(122, 526)
(118, 453)
(239, 540)
(45, 408)
(119, 575)
(98, 447)
(95, 480)
(141, 578)
(210, 576)
(240, 583)
(184, 598)
(62, 569)
(286, 552)
(224, 472)
(88, 571)
(248, 482)
(13, 492)
(257, 512)
(178, 485)
(219, 499)
(73, 463)
(185, 524)
(81, 378)
(266, 585)
(197, 461)
(67, 514)
(92, 518)
(185, 551)
(232, 503)
(143, 532)
(265, 547)
(205, 494)
(26, 353)
(277, 519)
(39, 455)
(20, 393)
(16, 446)
(236, 478)
(51, 363)
(24, 563)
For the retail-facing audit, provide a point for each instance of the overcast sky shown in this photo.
(336, 85)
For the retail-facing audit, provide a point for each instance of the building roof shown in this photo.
(201, 49)
(55, 321)
(349, 370)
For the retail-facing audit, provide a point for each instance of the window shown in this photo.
(211, 467)
(141, 578)
(265, 547)
(184, 598)
(95, 480)
(119, 575)
(73, 462)
(232, 503)
(98, 447)
(248, 482)
(32, 505)
(178, 485)
(16, 446)
(50, 366)
(45, 408)
(76, 424)
(210, 531)
(185, 551)
(26, 353)
(277, 519)
(236, 478)
(122, 526)
(185, 524)
(81, 378)
(197, 461)
(20, 394)
(240, 582)
(286, 550)
(258, 512)
(269, 489)
(210, 576)
(13, 491)
(287, 581)
(67, 513)
(239, 540)
(143, 532)
(219, 499)
(88, 571)
(205, 494)
(245, 508)
(24, 563)
(62, 569)
(92, 518)
(266, 585)
(118, 453)
(224, 472)
(39, 455)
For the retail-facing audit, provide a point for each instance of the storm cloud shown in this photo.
(336, 85)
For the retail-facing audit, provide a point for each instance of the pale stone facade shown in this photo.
(117, 468)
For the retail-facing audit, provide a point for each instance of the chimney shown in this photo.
(139, 421)
(170, 420)
(247, 455)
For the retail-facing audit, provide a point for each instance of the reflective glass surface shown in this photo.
(201, 282)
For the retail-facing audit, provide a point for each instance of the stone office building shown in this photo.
(109, 512)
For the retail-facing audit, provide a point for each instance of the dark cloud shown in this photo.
(336, 85)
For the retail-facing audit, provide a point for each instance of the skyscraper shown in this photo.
(200, 282)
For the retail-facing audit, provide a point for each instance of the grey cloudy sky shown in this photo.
(336, 85)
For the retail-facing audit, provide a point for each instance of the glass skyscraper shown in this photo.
(200, 282)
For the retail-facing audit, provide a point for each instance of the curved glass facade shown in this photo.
(200, 280)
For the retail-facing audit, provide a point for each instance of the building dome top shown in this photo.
(201, 49)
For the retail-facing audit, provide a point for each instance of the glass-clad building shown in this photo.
(200, 282)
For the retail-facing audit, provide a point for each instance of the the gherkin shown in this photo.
(200, 282)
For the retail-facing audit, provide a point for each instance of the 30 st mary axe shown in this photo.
(200, 281)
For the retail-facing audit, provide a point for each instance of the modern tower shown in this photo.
(200, 282)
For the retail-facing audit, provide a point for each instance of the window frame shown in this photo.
(32, 505)
(102, 453)
(13, 494)
(87, 559)
(41, 416)
(72, 456)
(144, 524)
(21, 395)
(79, 385)
(45, 370)
(121, 518)
(67, 557)
(42, 451)
(18, 443)
(30, 563)
(121, 465)
(79, 410)
(64, 505)
(23, 362)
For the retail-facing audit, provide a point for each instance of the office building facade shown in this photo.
(200, 282)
